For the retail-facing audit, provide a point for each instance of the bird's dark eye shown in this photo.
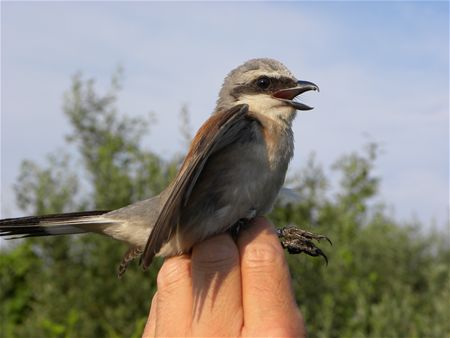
(263, 82)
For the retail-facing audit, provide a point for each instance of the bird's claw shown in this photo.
(296, 241)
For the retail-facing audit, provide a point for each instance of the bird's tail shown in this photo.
(49, 225)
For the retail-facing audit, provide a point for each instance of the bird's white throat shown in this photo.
(270, 107)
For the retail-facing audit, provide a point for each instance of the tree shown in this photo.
(384, 279)
(78, 273)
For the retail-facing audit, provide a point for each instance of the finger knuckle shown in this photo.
(263, 255)
(172, 273)
(221, 256)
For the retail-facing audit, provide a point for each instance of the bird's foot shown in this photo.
(131, 254)
(296, 241)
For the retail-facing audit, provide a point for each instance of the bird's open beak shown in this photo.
(288, 95)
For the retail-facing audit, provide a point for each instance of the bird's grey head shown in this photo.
(263, 83)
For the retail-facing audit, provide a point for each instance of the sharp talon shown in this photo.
(320, 252)
(325, 238)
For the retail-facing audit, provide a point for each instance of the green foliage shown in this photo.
(47, 190)
(66, 286)
(119, 170)
(17, 267)
(384, 279)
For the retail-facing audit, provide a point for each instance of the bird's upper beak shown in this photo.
(288, 95)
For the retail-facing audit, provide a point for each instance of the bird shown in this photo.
(233, 171)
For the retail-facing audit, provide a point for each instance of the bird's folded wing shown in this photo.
(220, 130)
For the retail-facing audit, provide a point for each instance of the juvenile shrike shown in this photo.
(232, 173)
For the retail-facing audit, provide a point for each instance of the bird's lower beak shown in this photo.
(288, 95)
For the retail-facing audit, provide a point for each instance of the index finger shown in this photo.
(268, 301)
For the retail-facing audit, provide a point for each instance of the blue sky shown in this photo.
(383, 70)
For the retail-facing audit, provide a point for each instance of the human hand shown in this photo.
(227, 289)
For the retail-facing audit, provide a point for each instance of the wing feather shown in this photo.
(220, 130)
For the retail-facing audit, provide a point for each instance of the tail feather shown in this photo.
(49, 225)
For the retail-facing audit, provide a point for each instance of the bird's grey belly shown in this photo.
(238, 184)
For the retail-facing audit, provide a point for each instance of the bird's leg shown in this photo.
(237, 227)
(242, 223)
(132, 253)
(296, 240)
